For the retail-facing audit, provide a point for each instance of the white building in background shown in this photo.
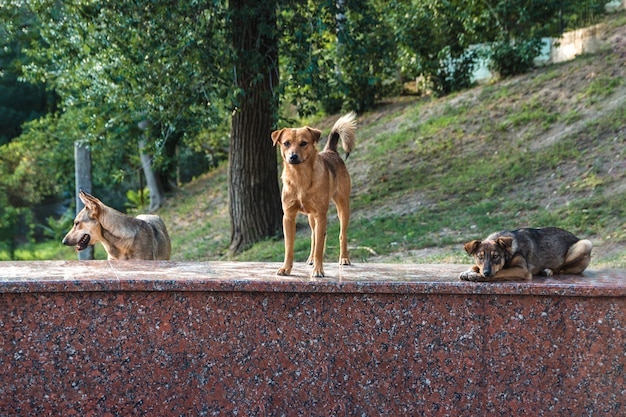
(554, 50)
(570, 45)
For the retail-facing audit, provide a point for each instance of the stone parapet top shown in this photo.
(362, 278)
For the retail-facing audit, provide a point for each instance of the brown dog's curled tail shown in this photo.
(344, 128)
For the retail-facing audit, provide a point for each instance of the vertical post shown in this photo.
(156, 193)
(82, 164)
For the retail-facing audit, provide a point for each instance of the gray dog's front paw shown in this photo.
(470, 276)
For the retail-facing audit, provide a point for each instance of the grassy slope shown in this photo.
(547, 148)
(542, 149)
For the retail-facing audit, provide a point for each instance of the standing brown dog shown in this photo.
(310, 180)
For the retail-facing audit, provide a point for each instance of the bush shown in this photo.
(138, 200)
(509, 58)
(452, 73)
(55, 229)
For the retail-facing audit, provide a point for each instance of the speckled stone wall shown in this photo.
(186, 339)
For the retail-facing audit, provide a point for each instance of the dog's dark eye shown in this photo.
(76, 223)
(287, 144)
(303, 144)
(495, 256)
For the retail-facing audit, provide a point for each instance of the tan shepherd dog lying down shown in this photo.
(310, 180)
(519, 254)
(123, 237)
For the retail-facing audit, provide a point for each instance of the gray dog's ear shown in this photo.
(91, 202)
(276, 136)
(505, 243)
(472, 247)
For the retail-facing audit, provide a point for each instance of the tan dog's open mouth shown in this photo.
(83, 243)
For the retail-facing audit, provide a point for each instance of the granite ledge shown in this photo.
(108, 276)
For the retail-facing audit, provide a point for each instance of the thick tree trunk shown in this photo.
(255, 208)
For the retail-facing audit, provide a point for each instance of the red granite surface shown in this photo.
(167, 338)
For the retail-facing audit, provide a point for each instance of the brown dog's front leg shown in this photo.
(472, 274)
(320, 240)
(309, 261)
(289, 229)
(517, 273)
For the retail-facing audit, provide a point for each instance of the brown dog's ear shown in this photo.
(276, 136)
(315, 133)
(505, 242)
(472, 247)
(91, 202)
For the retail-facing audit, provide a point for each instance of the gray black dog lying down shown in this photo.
(520, 254)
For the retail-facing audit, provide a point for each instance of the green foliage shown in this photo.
(19, 101)
(510, 58)
(452, 73)
(307, 57)
(520, 25)
(9, 225)
(57, 228)
(577, 14)
(138, 200)
(111, 66)
(365, 54)
(434, 39)
(336, 57)
(25, 177)
(121, 65)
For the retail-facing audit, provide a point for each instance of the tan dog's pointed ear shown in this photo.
(91, 202)
(472, 247)
(505, 242)
(315, 133)
(276, 136)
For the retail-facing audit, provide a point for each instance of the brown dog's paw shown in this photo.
(344, 261)
(317, 273)
(471, 275)
(283, 272)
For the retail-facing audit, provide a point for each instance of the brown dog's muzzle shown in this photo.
(487, 272)
(294, 159)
